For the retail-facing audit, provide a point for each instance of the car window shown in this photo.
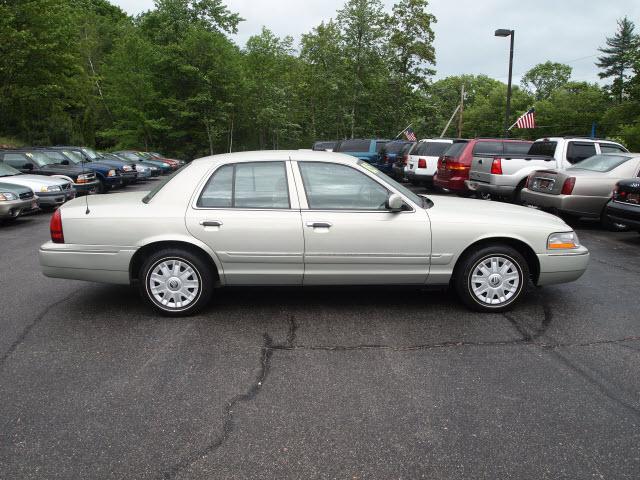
(456, 149)
(354, 146)
(601, 163)
(247, 185)
(331, 186)
(578, 151)
(611, 148)
(16, 160)
(431, 149)
(516, 148)
(380, 146)
(487, 148)
(543, 148)
(7, 170)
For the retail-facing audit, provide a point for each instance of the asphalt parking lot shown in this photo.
(344, 383)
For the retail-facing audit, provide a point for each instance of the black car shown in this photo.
(36, 162)
(624, 206)
(401, 161)
(324, 146)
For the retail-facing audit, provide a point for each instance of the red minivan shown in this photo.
(454, 164)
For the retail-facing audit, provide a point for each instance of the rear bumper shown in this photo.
(419, 175)
(93, 263)
(14, 208)
(562, 267)
(493, 189)
(572, 204)
(455, 184)
(624, 213)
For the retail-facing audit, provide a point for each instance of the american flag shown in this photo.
(410, 134)
(527, 120)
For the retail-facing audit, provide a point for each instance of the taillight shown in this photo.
(422, 163)
(405, 159)
(568, 185)
(55, 226)
(386, 158)
(456, 166)
(496, 166)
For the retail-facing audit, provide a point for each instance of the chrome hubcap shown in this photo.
(173, 283)
(495, 280)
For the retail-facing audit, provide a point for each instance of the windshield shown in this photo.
(8, 170)
(75, 157)
(161, 185)
(401, 188)
(92, 154)
(57, 156)
(41, 159)
(601, 163)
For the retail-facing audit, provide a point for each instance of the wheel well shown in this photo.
(525, 250)
(138, 258)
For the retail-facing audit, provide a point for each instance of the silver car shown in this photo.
(584, 189)
(304, 218)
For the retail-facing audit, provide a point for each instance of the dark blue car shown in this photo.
(389, 154)
(364, 149)
(91, 157)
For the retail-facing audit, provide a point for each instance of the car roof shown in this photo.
(279, 155)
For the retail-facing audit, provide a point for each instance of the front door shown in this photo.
(350, 235)
(248, 214)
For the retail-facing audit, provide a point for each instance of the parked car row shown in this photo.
(55, 174)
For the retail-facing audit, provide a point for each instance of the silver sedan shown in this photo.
(304, 218)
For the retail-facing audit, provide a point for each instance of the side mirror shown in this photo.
(28, 166)
(395, 203)
(64, 162)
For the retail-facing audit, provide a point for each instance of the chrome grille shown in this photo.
(26, 195)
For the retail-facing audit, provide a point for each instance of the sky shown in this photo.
(566, 31)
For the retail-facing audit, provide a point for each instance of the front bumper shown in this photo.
(129, 178)
(86, 188)
(54, 199)
(13, 208)
(562, 267)
(624, 213)
(93, 263)
(112, 182)
(579, 205)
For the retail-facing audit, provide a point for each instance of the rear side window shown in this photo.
(456, 149)
(487, 148)
(16, 160)
(578, 151)
(543, 148)
(516, 148)
(354, 146)
(380, 146)
(247, 185)
(611, 148)
(431, 149)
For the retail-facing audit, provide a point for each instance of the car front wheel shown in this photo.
(176, 282)
(492, 279)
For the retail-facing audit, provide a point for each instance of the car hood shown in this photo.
(34, 182)
(14, 188)
(454, 209)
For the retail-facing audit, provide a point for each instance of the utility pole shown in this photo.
(505, 32)
(460, 119)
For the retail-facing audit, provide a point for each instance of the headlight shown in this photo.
(126, 168)
(7, 196)
(51, 188)
(112, 173)
(563, 241)
(83, 178)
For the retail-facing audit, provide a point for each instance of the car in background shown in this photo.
(504, 175)
(401, 165)
(324, 146)
(175, 164)
(364, 149)
(92, 159)
(624, 206)
(584, 189)
(154, 169)
(165, 167)
(106, 176)
(15, 199)
(143, 171)
(423, 160)
(455, 162)
(53, 183)
(158, 156)
(389, 153)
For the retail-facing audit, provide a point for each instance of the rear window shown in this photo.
(487, 148)
(354, 146)
(578, 151)
(611, 148)
(456, 149)
(543, 148)
(394, 147)
(320, 146)
(380, 146)
(431, 149)
(516, 148)
(601, 163)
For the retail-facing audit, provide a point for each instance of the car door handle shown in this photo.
(319, 224)
(211, 223)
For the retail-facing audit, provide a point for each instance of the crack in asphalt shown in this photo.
(25, 332)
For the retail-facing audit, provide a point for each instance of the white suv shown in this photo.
(423, 159)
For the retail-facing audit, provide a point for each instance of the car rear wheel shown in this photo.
(176, 282)
(492, 279)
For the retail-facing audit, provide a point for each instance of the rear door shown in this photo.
(248, 214)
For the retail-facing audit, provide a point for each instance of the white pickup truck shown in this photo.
(505, 176)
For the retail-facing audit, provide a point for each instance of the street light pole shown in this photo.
(503, 32)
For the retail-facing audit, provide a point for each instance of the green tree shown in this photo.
(543, 79)
(618, 57)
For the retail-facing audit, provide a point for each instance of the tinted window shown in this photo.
(16, 160)
(487, 148)
(516, 148)
(601, 163)
(611, 148)
(394, 147)
(338, 187)
(354, 146)
(380, 145)
(431, 149)
(321, 146)
(543, 148)
(579, 151)
(247, 185)
(456, 149)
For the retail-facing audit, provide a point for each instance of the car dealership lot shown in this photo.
(330, 383)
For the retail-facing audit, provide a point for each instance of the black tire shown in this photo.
(517, 194)
(201, 271)
(463, 280)
(100, 188)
